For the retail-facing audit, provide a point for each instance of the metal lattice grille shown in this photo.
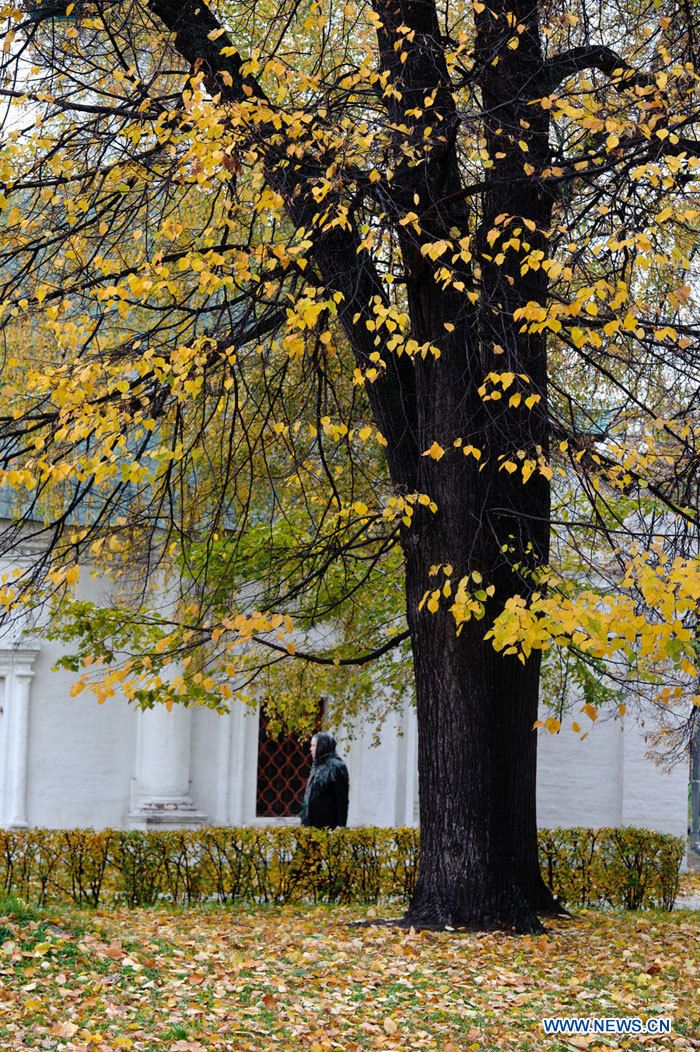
(283, 767)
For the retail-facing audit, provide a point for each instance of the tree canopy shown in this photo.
(304, 300)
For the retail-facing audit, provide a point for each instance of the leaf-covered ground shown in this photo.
(288, 979)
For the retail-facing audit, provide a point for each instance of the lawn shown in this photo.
(265, 978)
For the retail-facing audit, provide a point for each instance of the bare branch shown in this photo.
(316, 659)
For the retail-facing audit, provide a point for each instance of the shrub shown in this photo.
(622, 868)
(619, 868)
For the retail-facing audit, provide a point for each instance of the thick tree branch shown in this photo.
(569, 63)
(199, 37)
(691, 147)
(411, 51)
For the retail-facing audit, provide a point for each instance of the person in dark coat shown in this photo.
(325, 803)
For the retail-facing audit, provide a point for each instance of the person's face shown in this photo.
(313, 748)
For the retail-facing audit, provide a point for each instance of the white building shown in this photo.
(70, 762)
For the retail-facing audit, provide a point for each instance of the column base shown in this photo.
(166, 816)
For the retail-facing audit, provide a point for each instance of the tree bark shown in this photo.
(467, 876)
(515, 759)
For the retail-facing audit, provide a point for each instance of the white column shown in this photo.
(393, 761)
(410, 817)
(248, 783)
(19, 750)
(237, 809)
(161, 794)
(223, 769)
(16, 666)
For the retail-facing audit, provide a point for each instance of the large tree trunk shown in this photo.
(467, 875)
(479, 864)
(476, 709)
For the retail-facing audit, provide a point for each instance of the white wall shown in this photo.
(81, 754)
(383, 777)
(608, 780)
(652, 797)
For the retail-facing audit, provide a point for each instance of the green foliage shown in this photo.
(621, 868)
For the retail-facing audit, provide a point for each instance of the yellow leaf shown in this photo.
(436, 452)
(434, 601)
(472, 451)
(73, 574)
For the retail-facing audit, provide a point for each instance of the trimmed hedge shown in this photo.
(625, 868)
(620, 868)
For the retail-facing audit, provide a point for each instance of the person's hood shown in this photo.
(325, 747)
